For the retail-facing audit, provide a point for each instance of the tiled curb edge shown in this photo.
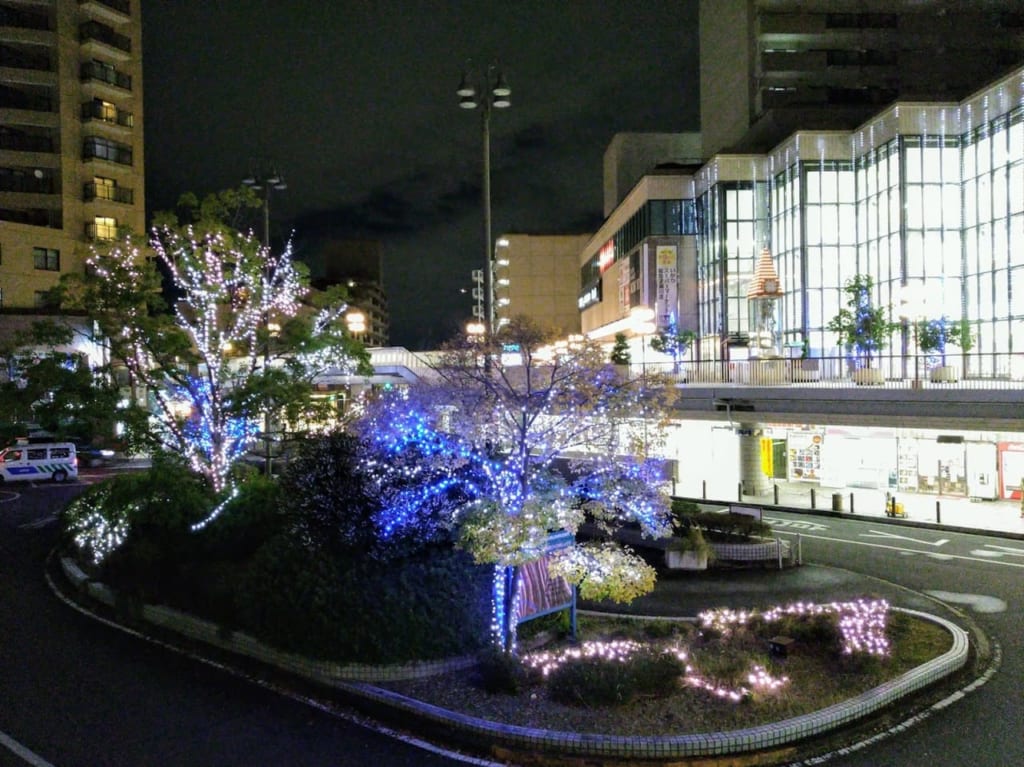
(355, 678)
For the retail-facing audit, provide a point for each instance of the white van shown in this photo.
(41, 460)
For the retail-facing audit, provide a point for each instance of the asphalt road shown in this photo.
(77, 692)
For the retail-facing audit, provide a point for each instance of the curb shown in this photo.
(356, 679)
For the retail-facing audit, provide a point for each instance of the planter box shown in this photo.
(944, 374)
(868, 377)
(686, 560)
(805, 371)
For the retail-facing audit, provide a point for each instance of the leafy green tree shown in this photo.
(48, 384)
(936, 335)
(236, 336)
(860, 326)
(620, 350)
(673, 342)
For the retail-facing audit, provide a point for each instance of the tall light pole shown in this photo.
(264, 177)
(485, 89)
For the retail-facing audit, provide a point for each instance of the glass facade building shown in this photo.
(922, 195)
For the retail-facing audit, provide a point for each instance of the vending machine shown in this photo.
(982, 471)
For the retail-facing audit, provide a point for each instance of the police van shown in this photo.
(39, 460)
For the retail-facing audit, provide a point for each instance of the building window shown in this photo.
(47, 259)
(105, 149)
(44, 300)
(102, 228)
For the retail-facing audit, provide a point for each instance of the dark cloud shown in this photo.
(355, 102)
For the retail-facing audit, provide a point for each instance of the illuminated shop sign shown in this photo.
(590, 297)
(606, 256)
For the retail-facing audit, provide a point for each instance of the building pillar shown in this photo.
(754, 480)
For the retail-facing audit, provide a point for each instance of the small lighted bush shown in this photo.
(608, 679)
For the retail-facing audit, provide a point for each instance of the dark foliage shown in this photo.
(499, 672)
(600, 682)
(433, 606)
(723, 527)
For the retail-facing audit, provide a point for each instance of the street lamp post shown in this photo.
(264, 177)
(485, 89)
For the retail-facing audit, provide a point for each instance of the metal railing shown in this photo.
(973, 371)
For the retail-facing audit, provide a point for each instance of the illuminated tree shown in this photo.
(673, 341)
(541, 438)
(239, 335)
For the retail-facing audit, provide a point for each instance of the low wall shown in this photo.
(532, 740)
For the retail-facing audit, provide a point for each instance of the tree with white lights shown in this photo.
(239, 335)
(503, 420)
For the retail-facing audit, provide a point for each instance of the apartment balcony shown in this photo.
(104, 79)
(93, 191)
(107, 113)
(101, 232)
(17, 18)
(111, 11)
(16, 142)
(95, 148)
(97, 38)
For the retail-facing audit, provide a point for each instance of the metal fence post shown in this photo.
(813, 506)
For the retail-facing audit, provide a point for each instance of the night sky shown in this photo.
(355, 103)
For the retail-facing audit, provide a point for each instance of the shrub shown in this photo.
(499, 673)
(431, 606)
(136, 528)
(603, 682)
(718, 526)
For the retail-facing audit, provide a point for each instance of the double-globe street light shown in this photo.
(263, 178)
(486, 89)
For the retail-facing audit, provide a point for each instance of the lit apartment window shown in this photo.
(104, 228)
(46, 258)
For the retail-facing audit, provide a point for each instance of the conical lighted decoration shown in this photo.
(763, 298)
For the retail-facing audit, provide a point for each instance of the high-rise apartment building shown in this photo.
(71, 138)
(770, 67)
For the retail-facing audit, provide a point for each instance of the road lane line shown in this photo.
(901, 549)
(30, 757)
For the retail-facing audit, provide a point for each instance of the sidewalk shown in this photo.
(998, 517)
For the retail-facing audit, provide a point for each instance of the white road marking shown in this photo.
(980, 603)
(29, 757)
(796, 524)
(894, 536)
(38, 523)
(1003, 551)
(873, 545)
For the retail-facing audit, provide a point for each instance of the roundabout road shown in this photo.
(978, 576)
(77, 692)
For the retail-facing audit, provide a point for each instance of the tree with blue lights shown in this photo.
(673, 341)
(541, 439)
(861, 327)
(240, 333)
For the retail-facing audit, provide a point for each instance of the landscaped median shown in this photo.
(764, 744)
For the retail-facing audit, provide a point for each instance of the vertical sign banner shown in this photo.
(539, 593)
(767, 456)
(623, 286)
(667, 280)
